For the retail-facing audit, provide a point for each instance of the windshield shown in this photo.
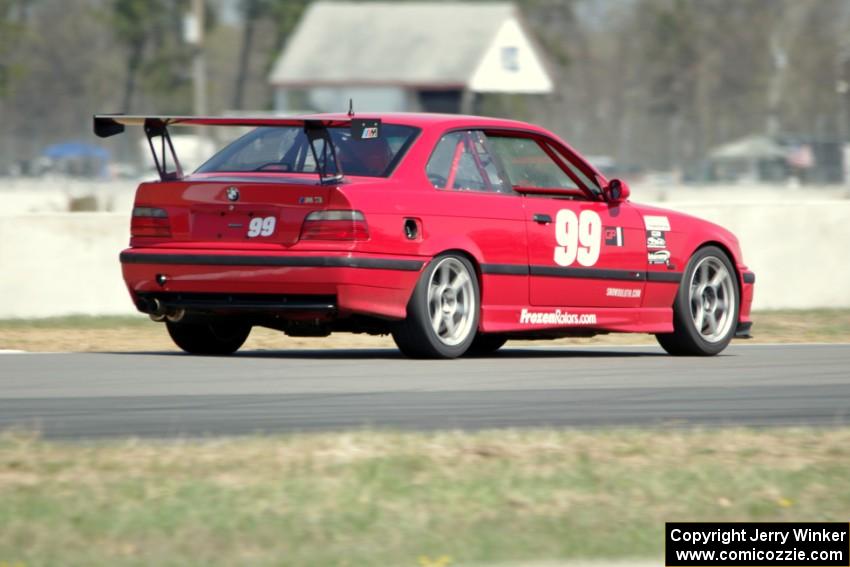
(287, 150)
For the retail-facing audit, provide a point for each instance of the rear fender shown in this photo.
(434, 246)
(497, 291)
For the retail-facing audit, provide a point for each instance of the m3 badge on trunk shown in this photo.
(232, 194)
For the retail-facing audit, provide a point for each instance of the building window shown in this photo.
(510, 58)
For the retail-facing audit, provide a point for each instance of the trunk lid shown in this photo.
(237, 211)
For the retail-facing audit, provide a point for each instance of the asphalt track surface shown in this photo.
(157, 394)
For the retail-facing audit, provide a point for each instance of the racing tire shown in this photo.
(209, 338)
(705, 311)
(443, 311)
(485, 343)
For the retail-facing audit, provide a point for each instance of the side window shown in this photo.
(441, 159)
(528, 165)
(462, 162)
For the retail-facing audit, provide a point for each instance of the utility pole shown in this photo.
(842, 89)
(193, 31)
(195, 36)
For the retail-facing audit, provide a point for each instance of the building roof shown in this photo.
(427, 44)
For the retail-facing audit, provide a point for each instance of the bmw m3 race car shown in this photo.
(452, 233)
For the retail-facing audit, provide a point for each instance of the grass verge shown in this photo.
(384, 498)
(138, 333)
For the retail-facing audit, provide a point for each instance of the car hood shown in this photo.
(683, 219)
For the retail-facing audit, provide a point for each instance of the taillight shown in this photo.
(150, 221)
(335, 225)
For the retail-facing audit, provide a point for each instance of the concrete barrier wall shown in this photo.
(49, 195)
(56, 194)
(67, 263)
(62, 263)
(800, 252)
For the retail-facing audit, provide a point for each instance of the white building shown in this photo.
(406, 56)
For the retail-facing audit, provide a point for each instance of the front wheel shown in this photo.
(442, 315)
(209, 338)
(705, 312)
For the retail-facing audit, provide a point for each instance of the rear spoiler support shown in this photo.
(315, 131)
(106, 125)
(156, 128)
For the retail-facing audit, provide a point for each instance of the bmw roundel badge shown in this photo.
(232, 194)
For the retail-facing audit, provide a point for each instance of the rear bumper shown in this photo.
(211, 280)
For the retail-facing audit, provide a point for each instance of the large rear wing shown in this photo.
(106, 125)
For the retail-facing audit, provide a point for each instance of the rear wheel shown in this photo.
(485, 344)
(210, 338)
(705, 312)
(442, 315)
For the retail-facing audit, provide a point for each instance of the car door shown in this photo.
(474, 208)
(582, 251)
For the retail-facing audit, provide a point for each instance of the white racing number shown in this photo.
(261, 226)
(579, 237)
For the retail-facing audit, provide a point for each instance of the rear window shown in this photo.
(286, 149)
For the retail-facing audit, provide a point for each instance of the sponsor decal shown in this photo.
(659, 257)
(365, 128)
(556, 317)
(622, 292)
(656, 239)
(652, 222)
(613, 235)
(309, 200)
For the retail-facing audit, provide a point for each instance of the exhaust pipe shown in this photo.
(176, 316)
(157, 311)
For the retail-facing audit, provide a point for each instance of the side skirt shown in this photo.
(580, 321)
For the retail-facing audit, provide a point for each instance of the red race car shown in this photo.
(452, 233)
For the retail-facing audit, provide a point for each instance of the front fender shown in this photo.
(688, 234)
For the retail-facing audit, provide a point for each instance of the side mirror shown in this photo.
(617, 191)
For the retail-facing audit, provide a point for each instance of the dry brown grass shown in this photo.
(448, 453)
(153, 337)
(80, 334)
